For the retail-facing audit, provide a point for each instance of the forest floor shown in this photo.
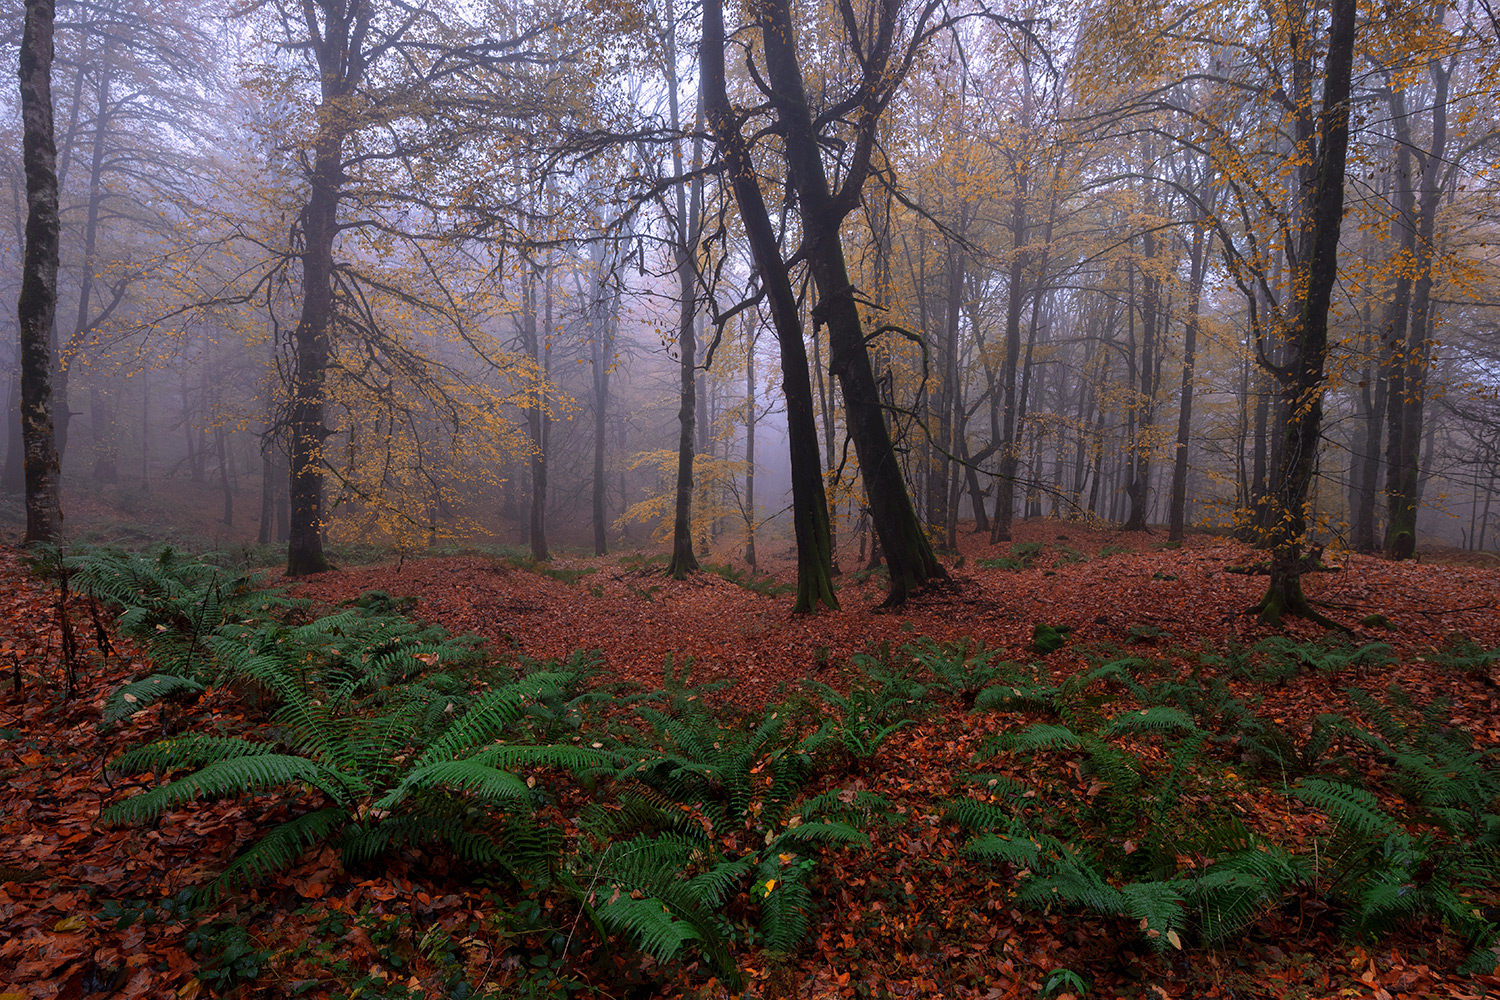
(84, 905)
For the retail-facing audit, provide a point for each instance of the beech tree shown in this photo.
(37, 306)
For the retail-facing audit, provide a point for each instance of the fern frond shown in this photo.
(490, 714)
(277, 850)
(1041, 736)
(993, 847)
(189, 750)
(229, 777)
(971, 814)
(1159, 904)
(1157, 719)
(131, 698)
(824, 832)
(479, 780)
(1354, 808)
(575, 759)
(650, 923)
(1018, 697)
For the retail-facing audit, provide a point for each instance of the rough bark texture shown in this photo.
(1302, 377)
(336, 44)
(1407, 403)
(909, 556)
(683, 561)
(809, 499)
(37, 306)
(1177, 514)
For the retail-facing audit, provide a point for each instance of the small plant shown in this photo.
(1379, 869)
(1278, 659)
(862, 721)
(1067, 555)
(959, 669)
(402, 767)
(1115, 550)
(1023, 555)
(1463, 655)
(529, 565)
(709, 810)
(1049, 638)
(227, 954)
(1139, 845)
(764, 585)
(1059, 980)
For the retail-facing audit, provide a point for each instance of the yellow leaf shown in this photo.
(770, 884)
(1176, 941)
(69, 924)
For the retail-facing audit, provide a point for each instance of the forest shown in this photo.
(829, 498)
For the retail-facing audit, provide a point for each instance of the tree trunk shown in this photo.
(689, 210)
(1303, 375)
(1197, 266)
(1005, 484)
(908, 553)
(809, 500)
(36, 307)
(750, 421)
(13, 479)
(1407, 406)
(537, 424)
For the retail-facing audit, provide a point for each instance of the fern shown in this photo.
(1352, 808)
(128, 699)
(228, 777)
(1157, 719)
(277, 850)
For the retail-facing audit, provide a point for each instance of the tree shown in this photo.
(37, 307)
(822, 209)
(809, 499)
(1301, 375)
(394, 101)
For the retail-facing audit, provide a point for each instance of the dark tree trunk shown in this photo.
(13, 479)
(750, 422)
(72, 352)
(1303, 374)
(336, 50)
(37, 305)
(603, 353)
(1197, 266)
(809, 500)
(1137, 486)
(689, 210)
(1403, 482)
(1005, 483)
(537, 423)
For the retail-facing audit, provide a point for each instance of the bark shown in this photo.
(602, 350)
(37, 305)
(1197, 266)
(1403, 482)
(750, 421)
(337, 50)
(1005, 485)
(809, 499)
(689, 212)
(538, 424)
(13, 479)
(1303, 375)
(1136, 488)
(908, 553)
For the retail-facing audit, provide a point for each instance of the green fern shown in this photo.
(136, 696)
